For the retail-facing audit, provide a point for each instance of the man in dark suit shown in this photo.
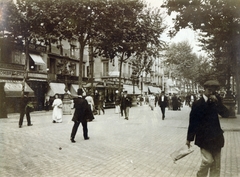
(126, 104)
(81, 114)
(24, 110)
(163, 103)
(204, 127)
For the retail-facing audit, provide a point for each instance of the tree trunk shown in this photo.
(81, 52)
(120, 74)
(91, 66)
(238, 90)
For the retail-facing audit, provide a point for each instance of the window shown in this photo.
(105, 68)
(18, 57)
(72, 51)
(52, 69)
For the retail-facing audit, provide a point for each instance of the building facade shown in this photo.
(47, 70)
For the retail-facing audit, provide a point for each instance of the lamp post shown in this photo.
(228, 101)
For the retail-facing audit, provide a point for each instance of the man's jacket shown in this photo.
(82, 110)
(204, 124)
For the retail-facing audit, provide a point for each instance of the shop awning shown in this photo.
(13, 89)
(74, 88)
(154, 89)
(56, 88)
(129, 89)
(174, 90)
(37, 59)
(96, 85)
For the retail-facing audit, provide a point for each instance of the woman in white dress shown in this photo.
(57, 110)
(90, 100)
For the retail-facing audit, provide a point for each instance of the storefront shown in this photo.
(13, 94)
(154, 90)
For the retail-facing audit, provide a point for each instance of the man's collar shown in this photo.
(205, 98)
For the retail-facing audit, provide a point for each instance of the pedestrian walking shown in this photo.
(163, 103)
(57, 109)
(117, 103)
(96, 101)
(100, 104)
(90, 100)
(47, 102)
(126, 104)
(25, 108)
(81, 114)
(121, 108)
(169, 101)
(151, 98)
(156, 99)
(175, 102)
(204, 127)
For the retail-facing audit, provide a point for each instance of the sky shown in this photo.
(183, 35)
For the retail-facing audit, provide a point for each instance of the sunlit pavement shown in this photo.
(138, 147)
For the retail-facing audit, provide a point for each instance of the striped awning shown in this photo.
(130, 89)
(14, 89)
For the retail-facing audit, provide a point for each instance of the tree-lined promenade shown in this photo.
(130, 30)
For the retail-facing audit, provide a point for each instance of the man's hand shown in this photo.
(213, 98)
(188, 143)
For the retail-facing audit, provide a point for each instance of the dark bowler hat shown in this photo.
(125, 91)
(211, 83)
(80, 91)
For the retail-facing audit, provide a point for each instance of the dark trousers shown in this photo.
(75, 128)
(100, 107)
(22, 113)
(163, 111)
(121, 109)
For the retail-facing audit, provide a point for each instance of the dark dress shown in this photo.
(175, 103)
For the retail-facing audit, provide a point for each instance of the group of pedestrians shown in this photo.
(204, 126)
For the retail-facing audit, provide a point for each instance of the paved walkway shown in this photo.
(138, 147)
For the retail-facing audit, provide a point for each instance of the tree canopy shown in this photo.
(218, 22)
(118, 29)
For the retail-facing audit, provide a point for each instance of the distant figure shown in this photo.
(100, 104)
(121, 108)
(47, 103)
(117, 103)
(81, 115)
(156, 99)
(57, 109)
(96, 101)
(151, 99)
(90, 100)
(163, 103)
(24, 109)
(126, 104)
(175, 102)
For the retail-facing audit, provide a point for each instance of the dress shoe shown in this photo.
(20, 126)
(54, 121)
(87, 138)
(126, 118)
(30, 124)
(73, 141)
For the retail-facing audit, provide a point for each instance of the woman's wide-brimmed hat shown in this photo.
(211, 83)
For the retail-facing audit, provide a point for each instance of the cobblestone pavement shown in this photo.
(138, 147)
